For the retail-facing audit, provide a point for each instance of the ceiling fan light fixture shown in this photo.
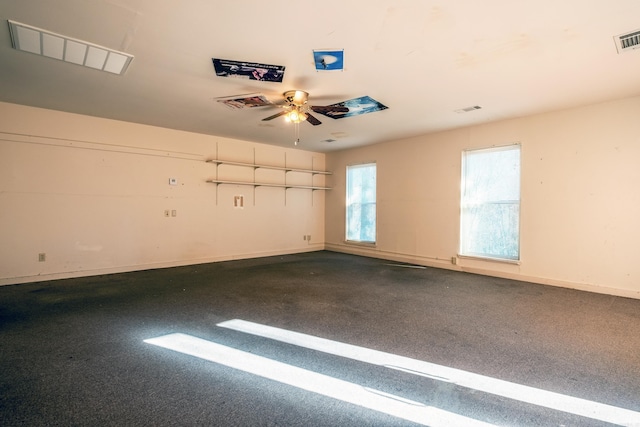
(295, 116)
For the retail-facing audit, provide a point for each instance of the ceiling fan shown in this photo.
(296, 108)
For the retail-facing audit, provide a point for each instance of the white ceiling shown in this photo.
(423, 59)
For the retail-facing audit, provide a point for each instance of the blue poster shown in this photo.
(329, 60)
(356, 106)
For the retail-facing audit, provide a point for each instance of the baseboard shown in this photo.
(373, 252)
(587, 287)
(367, 251)
(153, 266)
(445, 263)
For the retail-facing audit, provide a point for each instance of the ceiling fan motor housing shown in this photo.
(296, 97)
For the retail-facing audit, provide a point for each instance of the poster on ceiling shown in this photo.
(248, 70)
(329, 60)
(356, 106)
(238, 102)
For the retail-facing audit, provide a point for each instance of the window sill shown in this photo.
(490, 259)
(356, 243)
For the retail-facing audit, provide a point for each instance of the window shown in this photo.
(490, 205)
(361, 203)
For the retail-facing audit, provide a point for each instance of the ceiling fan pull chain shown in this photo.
(297, 132)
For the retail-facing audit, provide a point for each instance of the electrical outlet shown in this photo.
(309, 237)
(454, 260)
(42, 257)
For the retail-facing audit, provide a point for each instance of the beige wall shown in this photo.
(91, 194)
(580, 207)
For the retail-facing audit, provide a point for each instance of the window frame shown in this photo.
(348, 203)
(491, 257)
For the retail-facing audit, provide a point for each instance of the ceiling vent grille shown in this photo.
(46, 43)
(627, 42)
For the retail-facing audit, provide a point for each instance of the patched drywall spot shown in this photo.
(88, 248)
(483, 51)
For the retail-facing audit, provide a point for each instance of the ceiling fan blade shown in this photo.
(311, 119)
(281, 113)
(329, 108)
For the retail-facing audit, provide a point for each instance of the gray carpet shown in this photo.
(72, 352)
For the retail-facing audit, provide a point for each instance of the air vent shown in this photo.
(468, 109)
(46, 43)
(627, 42)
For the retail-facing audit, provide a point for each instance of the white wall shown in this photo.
(580, 207)
(91, 194)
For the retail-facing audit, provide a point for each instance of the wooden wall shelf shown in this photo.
(265, 184)
(279, 168)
